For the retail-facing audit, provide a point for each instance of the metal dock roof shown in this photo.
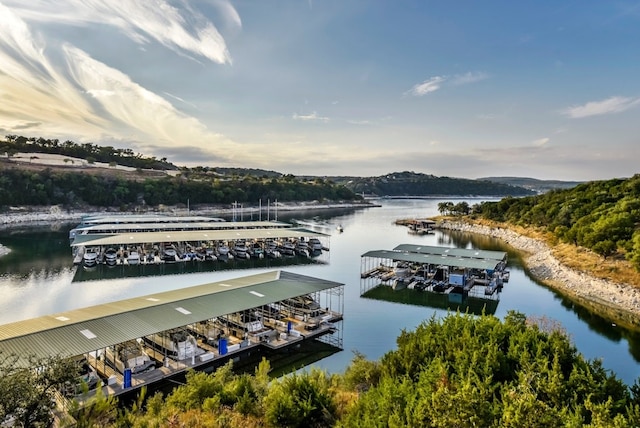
(118, 227)
(456, 252)
(88, 329)
(434, 259)
(191, 236)
(105, 218)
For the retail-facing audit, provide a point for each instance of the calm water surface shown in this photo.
(38, 278)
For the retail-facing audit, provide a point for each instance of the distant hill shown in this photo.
(539, 186)
(252, 172)
(415, 184)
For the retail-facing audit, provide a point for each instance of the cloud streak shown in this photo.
(183, 30)
(313, 117)
(597, 108)
(434, 83)
(430, 85)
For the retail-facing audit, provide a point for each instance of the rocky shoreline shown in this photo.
(540, 261)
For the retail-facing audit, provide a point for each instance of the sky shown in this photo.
(543, 89)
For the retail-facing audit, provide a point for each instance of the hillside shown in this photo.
(602, 216)
(539, 186)
(416, 184)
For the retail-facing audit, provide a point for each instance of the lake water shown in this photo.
(38, 278)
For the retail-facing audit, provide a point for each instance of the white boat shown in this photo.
(209, 254)
(315, 246)
(271, 250)
(175, 344)
(301, 305)
(90, 257)
(129, 355)
(339, 228)
(111, 256)
(222, 250)
(133, 258)
(287, 248)
(302, 248)
(256, 250)
(239, 250)
(169, 254)
(243, 322)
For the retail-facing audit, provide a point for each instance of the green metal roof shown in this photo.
(190, 236)
(455, 252)
(88, 329)
(433, 259)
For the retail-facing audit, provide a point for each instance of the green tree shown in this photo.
(29, 391)
(301, 400)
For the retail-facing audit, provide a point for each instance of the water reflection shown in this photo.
(104, 272)
(471, 304)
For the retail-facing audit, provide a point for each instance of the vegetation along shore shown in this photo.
(540, 259)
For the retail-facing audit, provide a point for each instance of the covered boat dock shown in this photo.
(203, 314)
(458, 272)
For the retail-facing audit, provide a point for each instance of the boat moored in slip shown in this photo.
(133, 258)
(111, 256)
(271, 249)
(302, 248)
(170, 254)
(129, 355)
(176, 344)
(155, 243)
(315, 246)
(90, 257)
(287, 248)
(239, 251)
(256, 250)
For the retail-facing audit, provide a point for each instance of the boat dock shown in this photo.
(190, 328)
(172, 241)
(456, 272)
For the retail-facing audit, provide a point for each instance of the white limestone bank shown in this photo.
(538, 257)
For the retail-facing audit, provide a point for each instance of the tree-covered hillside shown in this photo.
(603, 216)
(414, 184)
(20, 186)
(460, 371)
(539, 186)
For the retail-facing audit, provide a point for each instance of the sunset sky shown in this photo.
(543, 89)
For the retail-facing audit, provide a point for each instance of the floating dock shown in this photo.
(270, 296)
(455, 272)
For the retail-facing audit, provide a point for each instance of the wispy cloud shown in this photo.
(597, 108)
(33, 89)
(541, 141)
(429, 85)
(310, 117)
(467, 78)
(185, 30)
(434, 83)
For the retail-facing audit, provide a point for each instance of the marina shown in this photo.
(140, 341)
(457, 273)
(39, 278)
(134, 240)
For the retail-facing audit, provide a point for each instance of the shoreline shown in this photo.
(29, 215)
(623, 299)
